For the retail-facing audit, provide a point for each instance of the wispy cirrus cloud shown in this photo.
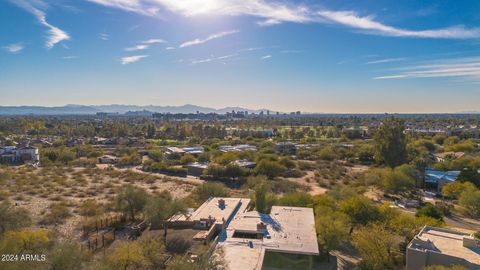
(270, 11)
(386, 60)
(212, 59)
(145, 44)
(55, 34)
(149, 8)
(132, 59)
(371, 26)
(153, 41)
(104, 36)
(138, 47)
(14, 48)
(464, 68)
(69, 57)
(265, 57)
(199, 41)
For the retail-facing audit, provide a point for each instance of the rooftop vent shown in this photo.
(261, 226)
(221, 203)
(471, 242)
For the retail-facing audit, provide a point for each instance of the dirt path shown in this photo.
(309, 181)
(188, 179)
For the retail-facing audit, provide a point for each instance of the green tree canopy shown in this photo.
(131, 200)
(391, 143)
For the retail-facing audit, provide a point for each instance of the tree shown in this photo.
(430, 211)
(159, 208)
(12, 217)
(151, 131)
(209, 189)
(260, 197)
(396, 181)
(298, 199)
(126, 256)
(470, 174)
(360, 210)
(391, 143)
(269, 168)
(375, 245)
(454, 189)
(131, 200)
(25, 240)
(68, 256)
(186, 159)
(470, 201)
(332, 230)
(233, 171)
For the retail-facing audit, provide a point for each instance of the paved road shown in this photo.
(454, 220)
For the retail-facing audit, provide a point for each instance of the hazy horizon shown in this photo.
(327, 56)
(142, 106)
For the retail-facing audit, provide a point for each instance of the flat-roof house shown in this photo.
(194, 150)
(13, 154)
(107, 159)
(245, 163)
(286, 148)
(437, 179)
(237, 148)
(211, 217)
(280, 240)
(435, 246)
(195, 168)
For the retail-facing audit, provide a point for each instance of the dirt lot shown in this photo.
(38, 188)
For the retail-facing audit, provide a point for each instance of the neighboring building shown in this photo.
(441, 157)
(286, 148)
(196, 168)
(245, 163)
(13, 154)
(437, 179)
(283, 239)
(196, 150)
(434, 246)
(237, 148)
(107, 159)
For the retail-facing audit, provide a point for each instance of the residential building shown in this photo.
(245, 163)
(211, 217)
(194, 150)
(435, 246)
(13, 154)
(437, 179)
(286, 148)
(195, 168)
(107, 159)
(237, 148)
(283, 239)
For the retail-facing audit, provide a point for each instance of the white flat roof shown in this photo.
(211, 208)
(447, 242)
(288, 230)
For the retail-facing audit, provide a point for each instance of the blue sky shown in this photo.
(315, 56)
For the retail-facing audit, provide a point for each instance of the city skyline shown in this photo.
(333, 57)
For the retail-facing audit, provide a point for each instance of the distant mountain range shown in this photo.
(73, 109)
